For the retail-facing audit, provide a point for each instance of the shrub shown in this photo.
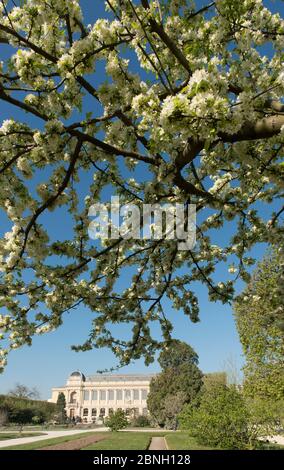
(116, 421)
(141, 422)
(223, 417)
(220, 420)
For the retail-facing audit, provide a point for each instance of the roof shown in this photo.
(119, 377)
(78, 374)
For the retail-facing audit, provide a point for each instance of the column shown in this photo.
(123, 399)
(131, 397)
(140, 402)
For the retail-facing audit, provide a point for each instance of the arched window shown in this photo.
(85, 412)
(73, 397)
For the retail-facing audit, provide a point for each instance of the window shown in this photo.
(119, 394)
(102, 394)
(127, 395)
(86, 395)
(102, 412)
(85, 412)
(94, 395)
(128, 411)
(135, 394)
(110, 411)
(94, 411)
(73, 397)
(144, 394)
(111, 395)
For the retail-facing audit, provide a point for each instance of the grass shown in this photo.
(182, 441)
(179, 440)
(13, 435)
(47, 442)
(124, 441)
(272, 446)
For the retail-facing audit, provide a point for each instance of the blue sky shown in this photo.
(49, 360)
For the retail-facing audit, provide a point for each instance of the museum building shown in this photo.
(93, 398)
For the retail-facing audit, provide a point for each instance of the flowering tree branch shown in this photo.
(186, 110)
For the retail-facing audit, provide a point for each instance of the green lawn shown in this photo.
(179, 440)
(47, 442)
(124, 441)
(13, 435)
(182, 441)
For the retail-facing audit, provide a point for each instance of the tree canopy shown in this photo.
(24, 410)
(259, 315)
(224, 419)
(176, 354)
(60, 408)
(22, 391)
(161, 101)
(179, 383)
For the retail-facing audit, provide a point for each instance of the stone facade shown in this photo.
(93, 398)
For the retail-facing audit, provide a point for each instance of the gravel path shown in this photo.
(277, 439)
(158, 443)
(76, 444)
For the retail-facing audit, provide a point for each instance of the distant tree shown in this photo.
(212, 378)
(232, 370)
(180, 373)
(259, 313)
(60, 408)
(26, 410)
(22, 391)
(116, 421)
